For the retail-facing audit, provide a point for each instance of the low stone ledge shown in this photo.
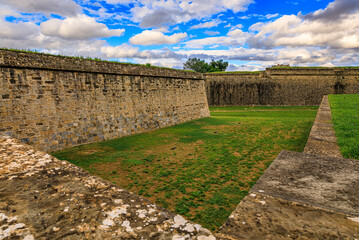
(45, 198)
(322, 139)
(264, 217)
(326, 182)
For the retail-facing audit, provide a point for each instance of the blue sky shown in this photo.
(249, 34)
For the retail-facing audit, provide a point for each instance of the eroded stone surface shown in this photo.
(259, 216)
(331, 183)
(45, 198)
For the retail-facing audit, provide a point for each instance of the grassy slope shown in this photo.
(345, 111)
(201, 169)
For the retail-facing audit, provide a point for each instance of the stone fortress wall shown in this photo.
(280, 86)
(54, 102)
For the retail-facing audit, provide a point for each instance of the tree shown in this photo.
(196, 65)
(218, 66)
(201, 66)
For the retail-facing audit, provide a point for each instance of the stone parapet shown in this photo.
(28, 60)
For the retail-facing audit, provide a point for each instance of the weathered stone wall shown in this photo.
(280, 86)
(56, 102)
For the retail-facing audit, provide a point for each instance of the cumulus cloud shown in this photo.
(79, 27)
(121, 51)
(211, 33)
(115, 2)
(17, 31)
(160, 12)
(308, 56)
(205, 25)
(270, 16)
(310, 30)
(234, 37)
(156, 37)
(63, 7)
(335, 11)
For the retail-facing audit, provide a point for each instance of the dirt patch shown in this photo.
(237, 154)
(88, 152)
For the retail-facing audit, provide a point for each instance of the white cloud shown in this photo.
(121, 51)
(234, 37)
(205, 25)
(79, 27)
(160, 12)
(63, 7)
(17, 31)
(291, 30)
(115, 2)
(335, 10)
(211, 33)
(7, 11)
(270, 16)
(156, 37)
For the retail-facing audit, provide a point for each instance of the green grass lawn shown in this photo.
(200, 169)
(345, 113)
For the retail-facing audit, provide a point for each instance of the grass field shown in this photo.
(345, 113)
(201, 169)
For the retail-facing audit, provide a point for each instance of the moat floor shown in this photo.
(201, 169)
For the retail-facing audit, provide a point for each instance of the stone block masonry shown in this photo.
(54, 102)
(280, 86)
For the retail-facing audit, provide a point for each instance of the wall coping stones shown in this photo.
(352, 71)
(302, 71)
(45, 198)
(321, 181)
(235, 73)
(15, 59)
(260, 216)
(322, 139)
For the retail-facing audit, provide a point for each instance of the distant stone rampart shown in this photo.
(54, 102)
(280, 86)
